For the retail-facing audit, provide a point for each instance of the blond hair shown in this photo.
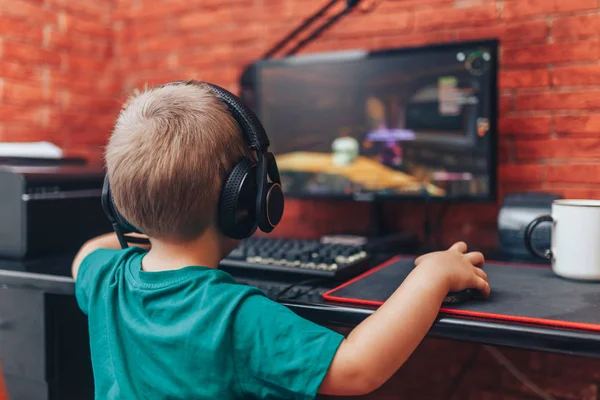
(167, 157)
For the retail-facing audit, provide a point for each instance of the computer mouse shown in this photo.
(460, 297)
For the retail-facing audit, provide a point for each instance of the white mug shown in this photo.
(575, 248)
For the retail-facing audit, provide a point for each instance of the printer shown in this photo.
(49, 209)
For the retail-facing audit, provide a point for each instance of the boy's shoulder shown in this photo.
(95, 267)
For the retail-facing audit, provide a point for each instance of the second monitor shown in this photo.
(385, 124)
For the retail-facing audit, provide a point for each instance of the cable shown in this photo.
(510, 367)
(305, 24)
(136, 240)
(370, 6)
(317, 32)
(463, 371)
(299, 283)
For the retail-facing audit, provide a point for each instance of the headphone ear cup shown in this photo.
(273, 207)
(111, 210)
(121, 220)
(237, 205)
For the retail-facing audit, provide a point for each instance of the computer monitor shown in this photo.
(390, 124)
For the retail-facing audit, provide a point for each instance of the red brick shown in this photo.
(202, 19)
(142, 30)
(418, 39)
(223, 76)
(562, 148)
(551, 53)
(573, 173)
(522, 32)
(92, 28)
(126, 51)
(455, 17)
(524, 126)
(90, 135)
(19, 30)
(576, 27)
(373, 25)
(212, 57)
(411, 5)
(165, 43)
(506, 104)
(93, 102)
(21, 93)
(588, 75)
(22, 53)
(505, 151)
(286, 12)
(581, 193)
(247, 54)
(158, 10)
(188, 41)
(83, 64)
(297, 11)
(69, 81)
(577, 124)
(20, 72)
(521, 173)
(27, 133)
(159, 78)
(27, 10)
(23, 114)
(75, 120)
(89, 9)
(528, 8)
(158, 63)
(521, 78)
(79, 44)
(198, 39)
(579, 100)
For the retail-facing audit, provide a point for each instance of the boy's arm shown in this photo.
(106, 241)
(379, 346)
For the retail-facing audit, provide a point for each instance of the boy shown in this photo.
(166, 323)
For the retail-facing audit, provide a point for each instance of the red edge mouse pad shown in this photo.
(520, 293)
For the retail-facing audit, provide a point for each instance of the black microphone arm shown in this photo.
(350, 4)
(246, 76)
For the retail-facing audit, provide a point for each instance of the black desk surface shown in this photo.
(52, 275)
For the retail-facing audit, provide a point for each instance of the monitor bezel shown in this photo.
(252, 78)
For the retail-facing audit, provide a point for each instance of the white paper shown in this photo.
(31, 150)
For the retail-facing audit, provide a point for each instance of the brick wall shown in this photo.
(66, 65)
(55, 80)
(549, 79)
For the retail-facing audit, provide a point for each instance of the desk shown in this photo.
(51, 292)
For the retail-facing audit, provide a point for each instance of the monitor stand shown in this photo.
(380, 238)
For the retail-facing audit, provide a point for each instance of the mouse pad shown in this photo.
(520, 293)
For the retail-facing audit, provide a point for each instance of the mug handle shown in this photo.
(546, 254)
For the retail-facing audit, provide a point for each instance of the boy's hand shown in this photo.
(378, 346)
(460, 269)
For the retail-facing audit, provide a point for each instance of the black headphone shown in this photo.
(251, 196)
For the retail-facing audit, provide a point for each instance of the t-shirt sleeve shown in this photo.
(279, 354)
(92, 268)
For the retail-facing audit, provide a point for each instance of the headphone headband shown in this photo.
(251, 187)
(251, 127)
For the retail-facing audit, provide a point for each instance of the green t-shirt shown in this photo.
(194, 333)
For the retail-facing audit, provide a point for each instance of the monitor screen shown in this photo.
(393, 123)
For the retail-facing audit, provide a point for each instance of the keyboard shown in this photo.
(310, 258)
(280, 291)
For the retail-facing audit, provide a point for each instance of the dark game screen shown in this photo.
(396, 124)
